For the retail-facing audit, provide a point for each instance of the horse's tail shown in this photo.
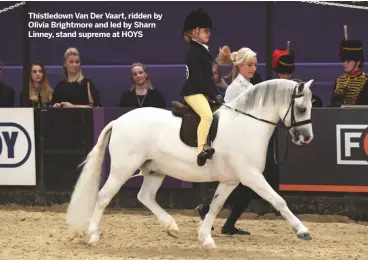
(84, 197)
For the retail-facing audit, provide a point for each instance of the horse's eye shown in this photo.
(302, 109)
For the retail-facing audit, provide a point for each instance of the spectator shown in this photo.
(219, 79)
(351, 88)
(7, 96)
(141, 93)
(75, 91)
(40, 93)
(284, 66)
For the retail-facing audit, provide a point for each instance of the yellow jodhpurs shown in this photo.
(199, 104)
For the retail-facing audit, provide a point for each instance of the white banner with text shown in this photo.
(17, 147)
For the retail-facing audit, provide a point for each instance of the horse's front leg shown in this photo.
(256, 181)
(222, 193)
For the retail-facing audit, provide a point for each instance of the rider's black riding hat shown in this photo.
(197, 18)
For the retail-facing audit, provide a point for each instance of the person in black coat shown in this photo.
(39, 91)
(283, 64)
(7, 96)
(75, 90)
(351, 88)
(141, 93)
(200, 86)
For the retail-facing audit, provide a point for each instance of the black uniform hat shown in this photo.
(351, 49)
(283, 61)
(197, 18)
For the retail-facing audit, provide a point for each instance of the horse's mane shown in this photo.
(275, 92)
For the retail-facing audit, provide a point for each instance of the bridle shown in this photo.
(282, 124)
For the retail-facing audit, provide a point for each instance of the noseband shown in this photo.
(293, 122)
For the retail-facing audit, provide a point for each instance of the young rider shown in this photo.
(200, 86)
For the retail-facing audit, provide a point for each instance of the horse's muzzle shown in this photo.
(300, 138)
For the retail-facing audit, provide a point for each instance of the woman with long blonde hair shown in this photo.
(76, 90)
(40, 92)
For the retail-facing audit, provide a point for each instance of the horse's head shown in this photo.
(297, 117)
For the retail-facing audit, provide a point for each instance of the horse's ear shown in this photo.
(301, 87)
(309, 83)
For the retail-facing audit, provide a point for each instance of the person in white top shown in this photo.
(245, 66)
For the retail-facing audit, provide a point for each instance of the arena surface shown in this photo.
(41, 233)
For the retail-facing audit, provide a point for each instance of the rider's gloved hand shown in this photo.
(219, 100)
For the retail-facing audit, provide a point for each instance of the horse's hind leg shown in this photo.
(120, 172)
(223, 191)
(147, 196)
(257, 182)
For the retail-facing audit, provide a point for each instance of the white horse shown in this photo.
(148, 139)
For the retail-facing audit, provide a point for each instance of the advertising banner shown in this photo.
(17, 147)
(336, 160)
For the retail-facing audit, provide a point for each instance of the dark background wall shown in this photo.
(315, 32)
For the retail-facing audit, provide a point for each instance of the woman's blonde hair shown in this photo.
(148, 82)
(235, 58)
(69, 52)
(46, 91)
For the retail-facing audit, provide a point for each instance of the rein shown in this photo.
(282, 124)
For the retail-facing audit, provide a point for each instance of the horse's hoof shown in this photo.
(93, 241)
(209, 245)
(173, 230)
(305, 236)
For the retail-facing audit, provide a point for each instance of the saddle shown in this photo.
(190, 122)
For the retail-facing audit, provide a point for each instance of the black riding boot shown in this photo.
(202, 157)
(229, 227)
(241, 198)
